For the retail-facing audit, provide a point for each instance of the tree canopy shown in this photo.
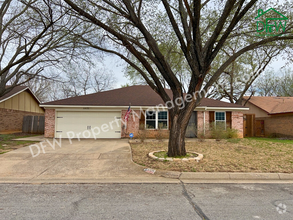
(129, 29)
(275, 83)
(34, 34)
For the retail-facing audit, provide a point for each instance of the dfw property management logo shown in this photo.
(270, 23)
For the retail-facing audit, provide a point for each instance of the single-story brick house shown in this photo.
(269, 116)
(19, 102)
(101, 115)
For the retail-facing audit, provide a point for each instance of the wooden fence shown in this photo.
(33, 124)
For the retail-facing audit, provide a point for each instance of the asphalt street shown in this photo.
(146, 201)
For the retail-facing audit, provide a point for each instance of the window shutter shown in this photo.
(141, 121)
(228, 119)
(211, 116)
(211, 119)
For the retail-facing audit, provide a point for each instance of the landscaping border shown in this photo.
(197, 159)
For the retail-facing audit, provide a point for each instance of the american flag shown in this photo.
(127, 114)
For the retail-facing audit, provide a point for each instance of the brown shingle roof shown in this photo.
(272, 105)
(136, 95)
(14, 91)
(216, 103)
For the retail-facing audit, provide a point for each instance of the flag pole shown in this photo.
(126, 117)
(128, 114)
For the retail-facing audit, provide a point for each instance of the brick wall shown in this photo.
(49, 123)
(11, 120)
(237, 123)
(280, 125)
(133, 126)
(201, 115)
(200, 124)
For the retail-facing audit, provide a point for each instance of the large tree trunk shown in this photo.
(179, 122)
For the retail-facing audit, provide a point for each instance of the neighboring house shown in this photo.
(269, 116)
(16, 104)
(98, 115)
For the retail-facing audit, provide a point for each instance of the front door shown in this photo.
(191, 131)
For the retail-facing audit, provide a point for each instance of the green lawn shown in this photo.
(274, 140)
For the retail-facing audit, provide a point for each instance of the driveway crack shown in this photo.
(195, 207)
(39, 174)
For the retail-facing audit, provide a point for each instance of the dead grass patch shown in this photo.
(243, 155)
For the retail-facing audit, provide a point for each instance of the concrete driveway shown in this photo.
(85, 161)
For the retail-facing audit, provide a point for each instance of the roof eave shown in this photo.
(228, 108)
(143, 107)
(96, 106)
(280, 113)
(3, 100)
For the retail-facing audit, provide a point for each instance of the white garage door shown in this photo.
(88, 125)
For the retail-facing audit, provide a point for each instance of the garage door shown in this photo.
(88, 125)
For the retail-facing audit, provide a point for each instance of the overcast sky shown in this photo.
(114, 64)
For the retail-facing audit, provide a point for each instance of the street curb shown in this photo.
(235, 176)
(170, 177)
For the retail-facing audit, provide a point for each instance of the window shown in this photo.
(150, 120)
(156, 120)
(162, 120)
(220, 120)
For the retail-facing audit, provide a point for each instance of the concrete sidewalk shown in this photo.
(31, 138)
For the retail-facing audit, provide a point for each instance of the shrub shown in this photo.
(142, 133)
(200, 136)
(220, 133)
(274, 135)
(231, 133)
(160, 135)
